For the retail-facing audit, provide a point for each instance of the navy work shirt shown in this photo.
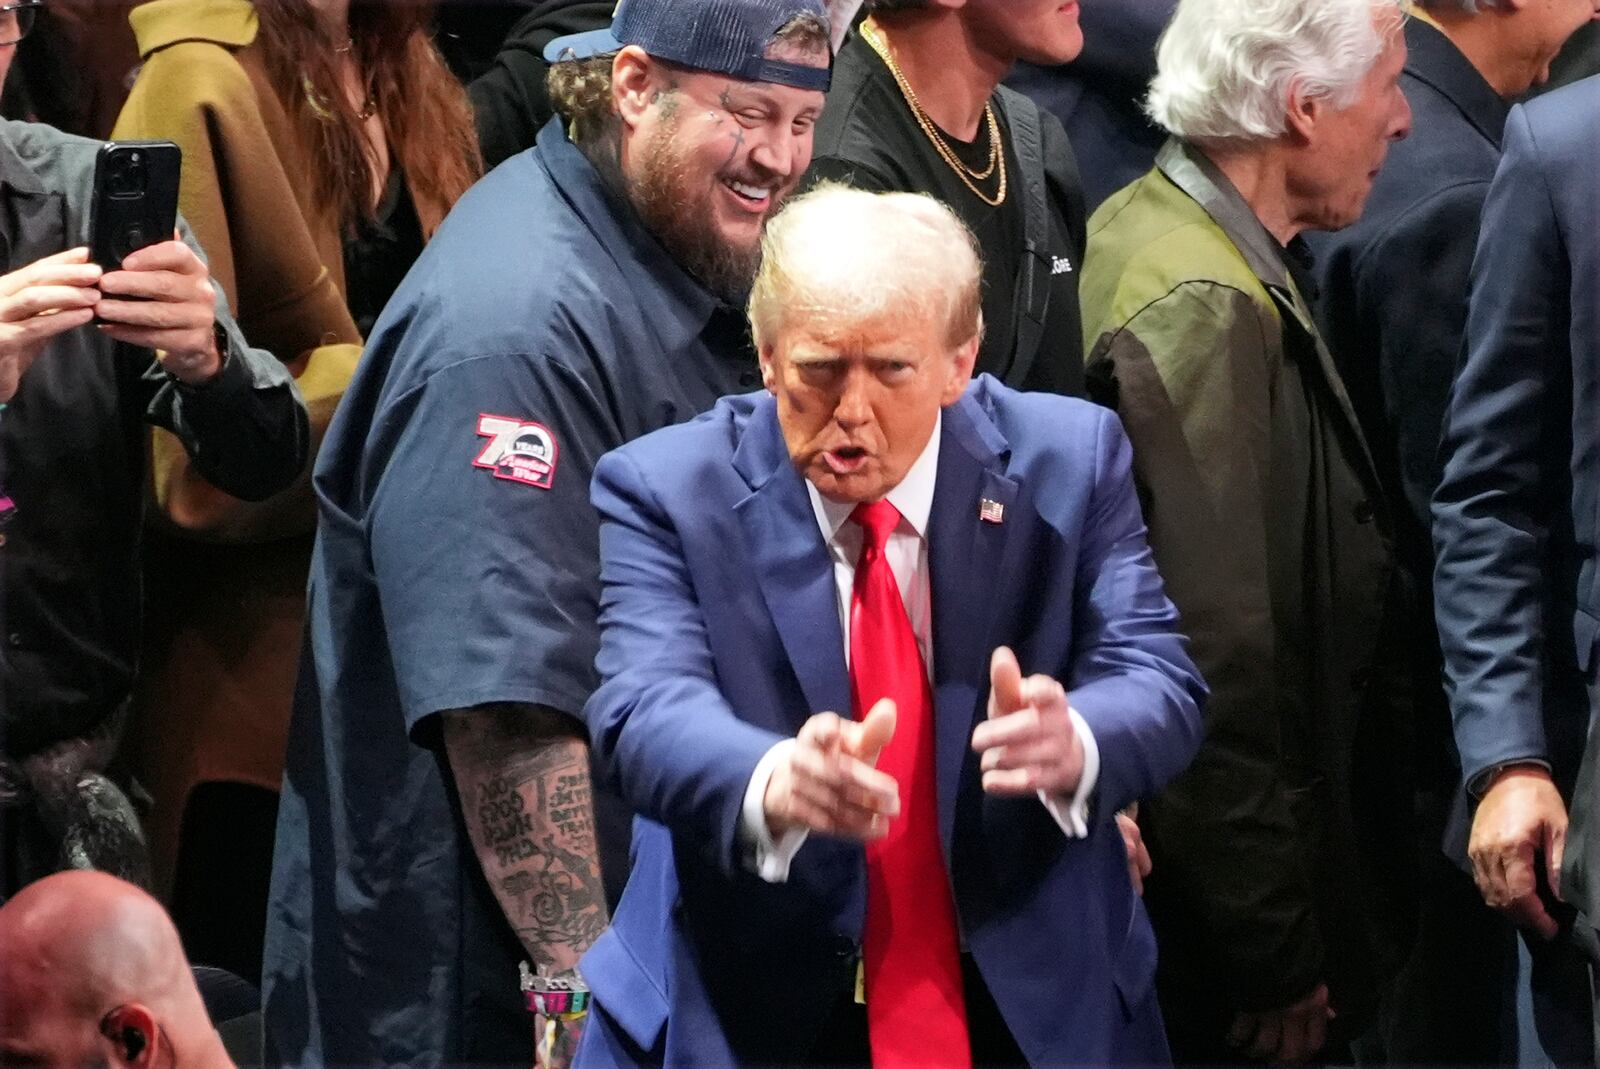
(457, 565)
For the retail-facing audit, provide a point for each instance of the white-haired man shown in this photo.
(1272, 890)
(939, 880)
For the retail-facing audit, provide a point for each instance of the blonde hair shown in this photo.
(852, 255)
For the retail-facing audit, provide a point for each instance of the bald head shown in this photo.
(86, 958)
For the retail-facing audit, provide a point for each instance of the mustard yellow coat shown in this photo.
(226, 580)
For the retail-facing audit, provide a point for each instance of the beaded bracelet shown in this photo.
(559, 1005)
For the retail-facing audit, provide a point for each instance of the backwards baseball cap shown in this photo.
(721, 36)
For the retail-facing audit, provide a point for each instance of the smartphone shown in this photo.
(135, 199)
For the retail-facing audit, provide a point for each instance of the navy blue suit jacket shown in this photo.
(1393, 309)
(1393, 301)
(722, 636)
(1515, 518)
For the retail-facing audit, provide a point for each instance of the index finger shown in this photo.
(1528, 913)
(80, 255)
(1005, 683)
(1555, 846)
(70, 268)
(171, 255)
(1008, 729)
(876, 789)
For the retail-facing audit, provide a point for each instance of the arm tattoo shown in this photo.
(522, 773)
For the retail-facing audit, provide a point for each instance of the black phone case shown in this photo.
(127, 215)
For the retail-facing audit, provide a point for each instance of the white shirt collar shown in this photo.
(912, 498)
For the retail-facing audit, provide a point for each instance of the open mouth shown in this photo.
(756, 198)
(846, 460)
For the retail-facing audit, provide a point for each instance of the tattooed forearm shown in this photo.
(522, 774)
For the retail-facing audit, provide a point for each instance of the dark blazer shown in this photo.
(1516, 516)
(1393, 302)
(510, 101)
(1393, 309)
(721, 637)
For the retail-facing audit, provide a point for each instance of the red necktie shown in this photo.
(916, 1010)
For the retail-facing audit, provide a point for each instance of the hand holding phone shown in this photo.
(156, 292)
(163, 299)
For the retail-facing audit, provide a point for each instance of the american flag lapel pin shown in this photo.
(991, 511)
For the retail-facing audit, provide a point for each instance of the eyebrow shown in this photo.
(836, 356)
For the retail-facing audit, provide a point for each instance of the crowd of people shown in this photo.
(754, 532)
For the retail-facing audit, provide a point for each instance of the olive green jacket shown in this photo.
(1267, 523)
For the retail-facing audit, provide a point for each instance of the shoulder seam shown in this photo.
(1186, 283)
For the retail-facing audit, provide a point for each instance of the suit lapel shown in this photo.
(791, 564)
(966, 556)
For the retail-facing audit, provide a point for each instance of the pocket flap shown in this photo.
(625, 991)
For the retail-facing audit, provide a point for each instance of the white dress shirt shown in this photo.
(907, 553)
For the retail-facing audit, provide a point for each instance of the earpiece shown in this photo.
(130, 1038)
(132, 1043)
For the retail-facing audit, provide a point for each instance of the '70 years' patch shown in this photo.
(518, 451)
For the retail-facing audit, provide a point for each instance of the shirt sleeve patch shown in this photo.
(519, 451)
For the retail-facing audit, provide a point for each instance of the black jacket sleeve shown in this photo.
(510, 100)
(247, 430)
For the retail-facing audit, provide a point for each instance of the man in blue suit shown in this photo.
(745, 559)
(1517, 583)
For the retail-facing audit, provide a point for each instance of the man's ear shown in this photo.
(130, 1031)
(1303, 112)
(769, 372)
(961, 372)
(637, 82)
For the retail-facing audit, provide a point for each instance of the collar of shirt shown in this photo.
(912, 498)
(17, 179)
(1192, 171)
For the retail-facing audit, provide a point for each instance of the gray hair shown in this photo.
(1225, 68)
(850, 255)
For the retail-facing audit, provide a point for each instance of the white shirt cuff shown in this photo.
(767, 859)
(1071, 814)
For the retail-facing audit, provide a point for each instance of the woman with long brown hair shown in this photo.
(324, 141)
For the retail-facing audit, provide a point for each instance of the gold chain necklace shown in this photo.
(997, 157)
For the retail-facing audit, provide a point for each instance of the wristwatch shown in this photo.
(562, 998)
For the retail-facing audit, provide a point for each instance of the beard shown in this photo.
(676, 205)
